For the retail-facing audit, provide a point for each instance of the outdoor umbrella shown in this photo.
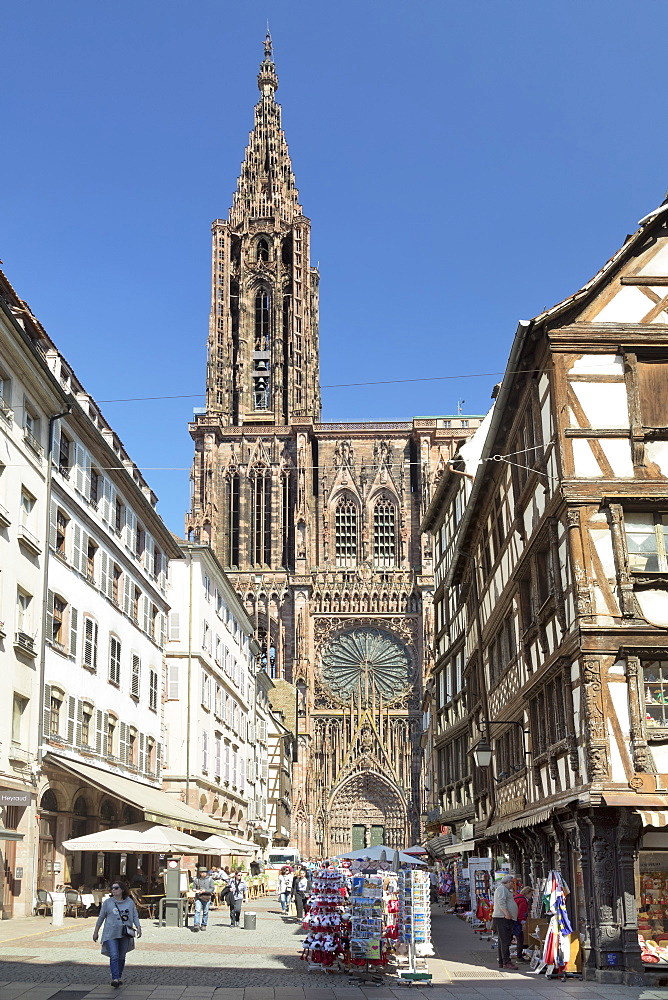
(416, 849)
(139, 838)
(224, 846)
(375, 854)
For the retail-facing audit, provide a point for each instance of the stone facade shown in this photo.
(316, 524)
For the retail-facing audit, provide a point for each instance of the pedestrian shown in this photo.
(299, 891)
(284, 888)
(504, 916)
(522, 899)
(121, 925)
(236, 894)
(204, 889)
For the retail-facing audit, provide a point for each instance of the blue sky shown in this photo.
(463, 165)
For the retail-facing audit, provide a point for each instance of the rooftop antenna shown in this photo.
(460, 403)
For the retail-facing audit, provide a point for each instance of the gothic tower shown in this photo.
(263, 335)
(317, 524)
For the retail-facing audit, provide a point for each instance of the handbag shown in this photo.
(129, 931)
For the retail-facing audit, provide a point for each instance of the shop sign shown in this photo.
(9, 797)
(652, 861)
(612, 957)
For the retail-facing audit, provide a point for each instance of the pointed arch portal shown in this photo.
(369, 807)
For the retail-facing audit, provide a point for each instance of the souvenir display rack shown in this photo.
(415, 922)
(327, 940)
(653, 916)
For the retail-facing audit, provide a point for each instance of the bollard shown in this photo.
(58, 914)
(249, 920)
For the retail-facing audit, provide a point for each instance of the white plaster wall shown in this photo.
(654, 606)
(657, 452)
(586, 466)
(604, 403)
(629, 305)
(617, 771)
(658, 264)
(598, 364)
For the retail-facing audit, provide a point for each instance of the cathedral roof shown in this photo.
(266, 187)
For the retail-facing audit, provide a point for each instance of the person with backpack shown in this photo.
(236, 893)
(204, 889)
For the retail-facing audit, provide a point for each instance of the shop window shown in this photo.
(647, 541)
(655, 685)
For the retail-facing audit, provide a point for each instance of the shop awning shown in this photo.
(464, 845)
(531, 819)
(10, 834)
(636, 800)
(156, 805)
(653, 817)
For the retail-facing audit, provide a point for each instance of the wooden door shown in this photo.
(377, 836)
(358, 837)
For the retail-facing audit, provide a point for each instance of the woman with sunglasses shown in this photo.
(121, 924)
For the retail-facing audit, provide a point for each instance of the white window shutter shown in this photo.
(142, 753)
(226, 772)
(106, 507)
(128, 587)
(99, 717)
(55, 446)
(104, 572)
(53, 515)
(242, 775)
(49, 616)
(77, 548)
(130, 529)
(251, 732)
(218, 756)
(71, 718)
(146, 606)
(173, 681)
(265, 770)
(234, 767)
(174, 626)
(74, 620)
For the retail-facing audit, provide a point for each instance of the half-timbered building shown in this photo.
(556, 574)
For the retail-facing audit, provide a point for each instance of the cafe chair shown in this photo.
(74, 903)
(44, 903)
(143, 910)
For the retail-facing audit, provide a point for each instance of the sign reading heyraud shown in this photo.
(10, 797)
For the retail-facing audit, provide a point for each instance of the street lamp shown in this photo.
(482, 754)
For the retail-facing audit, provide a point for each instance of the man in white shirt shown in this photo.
(504, 916)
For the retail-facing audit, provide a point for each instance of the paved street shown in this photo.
(39, 962)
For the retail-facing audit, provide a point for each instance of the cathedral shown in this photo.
(317, 524)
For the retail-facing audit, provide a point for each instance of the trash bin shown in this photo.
(249, 920)
(58, 913)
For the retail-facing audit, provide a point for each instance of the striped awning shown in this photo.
(653, 817)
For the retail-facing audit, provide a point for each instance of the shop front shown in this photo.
(652, 890)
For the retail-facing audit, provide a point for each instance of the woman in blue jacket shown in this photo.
(121, 925)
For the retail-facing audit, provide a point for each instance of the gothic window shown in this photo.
(286, 519)
(260, 392)
(262, 320)
(384, 535)
(268, 655)
(346, 532)
(262, 251)
(260, 485)
(232, 517)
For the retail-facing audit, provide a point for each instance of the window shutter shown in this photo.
(71, 710)
(79, 470)
(163, 631)
(74, 618)
(146, 604)
(46, 722)
(123, 744)
(226, 772)
(158, 760)
(234, 767)
(149, 554)
(99, 718)
(105, 498)
(55, 444)
(174, 626)
(77, 548)
(131, 530)
(127, 597)
(79, 722)
(173, 681)
(49, 616)
(242, 775)
(53, 516)
(136, 671)
(218, 756)
(251, 732)
(90, 643)
(142, 753)
(105, 727)
(265, 770)
(104, 572)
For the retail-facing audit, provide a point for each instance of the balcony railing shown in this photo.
(32, 442)
(25, 642)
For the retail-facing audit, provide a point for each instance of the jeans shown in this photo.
(519, 937)
(118, 949)
(504, 929)
(285, 900)
(201, 911)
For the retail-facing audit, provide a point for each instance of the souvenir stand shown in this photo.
(374, 908)
(557, 953)
(328, 929)
(482, 893)
(414, 924)
(462, 884)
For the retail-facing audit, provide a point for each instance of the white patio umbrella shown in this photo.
(224, 846)
(416, 849)
(376, 854)
(139, 838)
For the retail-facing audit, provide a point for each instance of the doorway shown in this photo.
(359, 831)
(377, 836)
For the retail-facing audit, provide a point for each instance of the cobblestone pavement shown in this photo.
(40, 962)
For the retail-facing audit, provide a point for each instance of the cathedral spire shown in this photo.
(266, 187)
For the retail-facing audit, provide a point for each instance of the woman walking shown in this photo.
(300, 891)
(121, 925)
